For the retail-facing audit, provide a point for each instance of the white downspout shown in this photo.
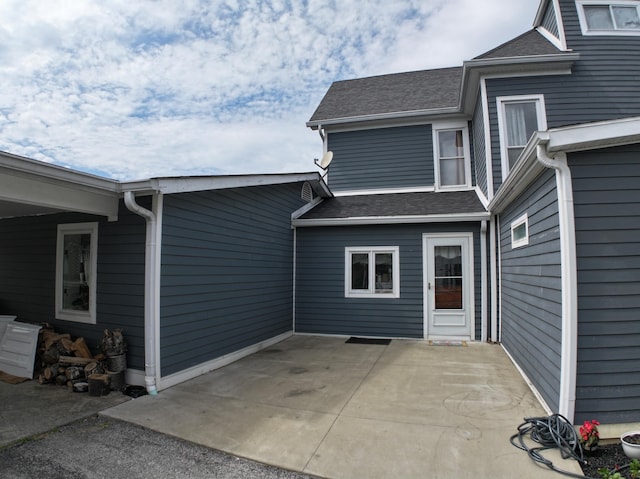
(483, 281)
(149, 291)
(569, 281)
(494, 280)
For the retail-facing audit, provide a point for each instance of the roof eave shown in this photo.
(473, 70)
(415, 114)
(187, 184)
(391, 220)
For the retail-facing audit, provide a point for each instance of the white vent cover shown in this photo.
(307, 192)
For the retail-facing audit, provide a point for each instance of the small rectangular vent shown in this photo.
(380, 341)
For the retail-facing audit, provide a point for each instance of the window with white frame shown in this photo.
(452, 155)
(597, 17)
(518, 118)
(372, 272)
(76, 262)
(520, 232)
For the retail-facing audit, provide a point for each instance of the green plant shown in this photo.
(607, 474)
(634, 469)
(589, 434)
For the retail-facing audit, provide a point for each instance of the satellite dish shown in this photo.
(326, 160)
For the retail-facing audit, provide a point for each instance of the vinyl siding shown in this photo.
(381, 158)
(603, 84)
(227, 271)
(479, 145)
(28, 268)
(549, 21)
(531, 304)
(321, 307)
(607, 210)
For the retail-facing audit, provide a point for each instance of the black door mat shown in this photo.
(380, 341)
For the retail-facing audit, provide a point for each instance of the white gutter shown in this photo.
(568, 259)
(150, 280)
(390, 220)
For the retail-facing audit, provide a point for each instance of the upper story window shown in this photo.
(518, 118)
(452, 156)
(76, 262)
(372, 272)
(621, 17)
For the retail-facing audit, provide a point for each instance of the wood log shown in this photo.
(74, 361)
(65, 346)
(51, 372)
(41, 379)
(74, 372)
(92, 368)
(51, 355)
(50, 337)
(61, 380)
(80, 348)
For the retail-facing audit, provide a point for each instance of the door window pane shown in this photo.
(449, 293)
(448, 277)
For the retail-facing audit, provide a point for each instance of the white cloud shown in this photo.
(134, 89)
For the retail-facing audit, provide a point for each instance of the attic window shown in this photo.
(609, 18)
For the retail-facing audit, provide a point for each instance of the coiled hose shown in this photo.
(550, 432)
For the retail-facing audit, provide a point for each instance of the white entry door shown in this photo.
(448, 285)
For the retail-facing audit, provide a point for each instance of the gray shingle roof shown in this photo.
(399, 92)
(527, 44)
(397, 204)
(415, 91)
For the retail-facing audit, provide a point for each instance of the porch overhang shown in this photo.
(29, 187)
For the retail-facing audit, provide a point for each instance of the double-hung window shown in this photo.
(76, 262)
(452, 155)
(621, 17)
(518, 118)
(372, 272)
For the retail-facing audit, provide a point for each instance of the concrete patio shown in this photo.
(324, 407)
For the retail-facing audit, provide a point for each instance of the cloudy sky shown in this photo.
(131, 89)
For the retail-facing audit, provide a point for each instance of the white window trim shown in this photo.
(519, 243)
(371, 250)
(542, 123)
(74, 315)
(449, 126)
(583, 20)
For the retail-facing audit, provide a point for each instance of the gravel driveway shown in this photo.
(100, 447)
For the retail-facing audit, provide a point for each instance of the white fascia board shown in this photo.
(391, 220)
(383, 117)
(590, 136)
(54, 173)
(188, 184)
(309, 206)
(384, 191)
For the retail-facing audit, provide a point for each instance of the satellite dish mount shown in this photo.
(325, 161)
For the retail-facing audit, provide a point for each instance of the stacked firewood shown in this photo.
(67, 362)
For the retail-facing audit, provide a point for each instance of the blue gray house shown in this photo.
(494, 201)
(197, 271)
